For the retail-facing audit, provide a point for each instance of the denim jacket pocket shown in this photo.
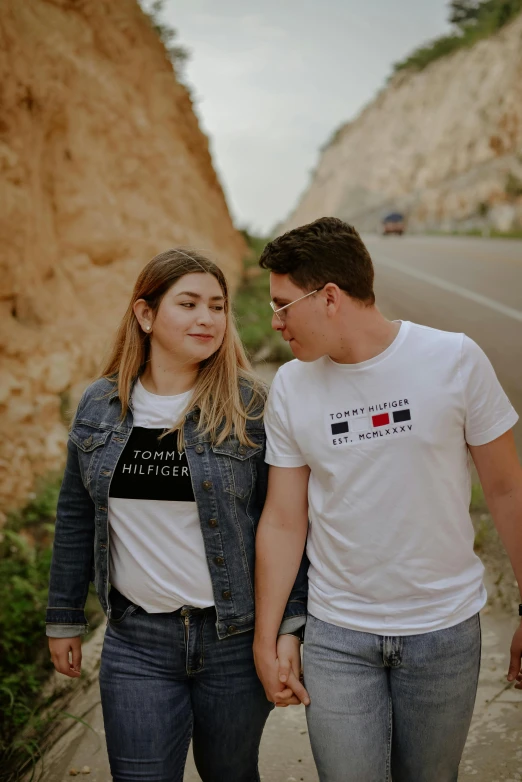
(238, 466)
(88, 440)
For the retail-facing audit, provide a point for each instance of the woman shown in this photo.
(163, 488)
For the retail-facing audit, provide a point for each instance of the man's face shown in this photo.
(304, 323)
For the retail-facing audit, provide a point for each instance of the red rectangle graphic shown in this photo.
(381, 420)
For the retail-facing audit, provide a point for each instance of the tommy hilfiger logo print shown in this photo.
(152, 468)
(370, 422)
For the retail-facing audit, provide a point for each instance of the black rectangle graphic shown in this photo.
(401, 415)
(340, 428)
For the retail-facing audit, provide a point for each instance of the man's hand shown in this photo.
(289, 658)
(515, 663)
(66, 655)
(267, 667)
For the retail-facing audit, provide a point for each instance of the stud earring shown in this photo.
(148, 328)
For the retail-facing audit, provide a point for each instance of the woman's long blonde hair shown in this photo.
(217, 391)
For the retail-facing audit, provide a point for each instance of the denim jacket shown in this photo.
(229, 482)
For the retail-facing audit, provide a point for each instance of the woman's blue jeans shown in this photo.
(390, 707)
(166, 679)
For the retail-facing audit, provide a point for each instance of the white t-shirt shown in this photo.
(391, 540)
(157, 554)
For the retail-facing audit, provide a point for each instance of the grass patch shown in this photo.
(25, 559)
(472, 22)
(252, 309)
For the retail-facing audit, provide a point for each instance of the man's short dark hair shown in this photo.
(327, 250)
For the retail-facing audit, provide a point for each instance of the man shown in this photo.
(368, 434)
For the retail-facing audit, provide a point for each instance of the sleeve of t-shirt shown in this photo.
(281, 447)
(488, 411)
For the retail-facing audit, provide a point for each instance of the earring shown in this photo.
(147, 328)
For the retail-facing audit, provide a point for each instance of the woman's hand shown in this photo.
(66, 655)
(289, 658)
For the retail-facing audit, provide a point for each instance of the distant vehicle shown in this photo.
(394, 223)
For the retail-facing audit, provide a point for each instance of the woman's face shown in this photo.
(191, 321)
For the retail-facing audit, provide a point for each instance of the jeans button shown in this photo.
(226, 594)
(219, 560)
(199, 449)
(207, 485)
(242, 450)
(88, 441)
(213, 523)
(231, 629)
(185, 612)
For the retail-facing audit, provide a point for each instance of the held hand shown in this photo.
(267, 667)
(66, 655)
(515, 663)
(289, 657)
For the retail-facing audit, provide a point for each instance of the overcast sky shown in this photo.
(273, 79)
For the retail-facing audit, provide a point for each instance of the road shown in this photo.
(458, 284)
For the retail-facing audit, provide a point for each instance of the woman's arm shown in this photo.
(72, 554)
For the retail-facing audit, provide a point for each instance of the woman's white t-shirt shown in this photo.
(391, 540)
(157, 555)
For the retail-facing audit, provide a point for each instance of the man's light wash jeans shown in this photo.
(390, 707)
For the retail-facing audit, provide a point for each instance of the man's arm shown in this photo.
(500, 474)
(280, 542)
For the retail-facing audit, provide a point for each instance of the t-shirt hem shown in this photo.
(507, 423)
(452, 620)
(284, 461)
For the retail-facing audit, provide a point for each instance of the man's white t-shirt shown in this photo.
(157, 554)
(391, 540)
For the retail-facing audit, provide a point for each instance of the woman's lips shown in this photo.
(202, 337)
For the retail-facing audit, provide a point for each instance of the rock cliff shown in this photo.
(444, 144)
(102, 165)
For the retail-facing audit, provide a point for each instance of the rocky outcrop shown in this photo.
(102, 165)
(443, 144)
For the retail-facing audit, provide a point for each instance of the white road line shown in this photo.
(451, 288)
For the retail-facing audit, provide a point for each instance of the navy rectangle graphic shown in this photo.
(340, 428)
(401, 415)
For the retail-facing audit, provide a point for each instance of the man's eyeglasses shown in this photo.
(277, 310)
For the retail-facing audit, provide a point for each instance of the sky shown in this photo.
(272, 80)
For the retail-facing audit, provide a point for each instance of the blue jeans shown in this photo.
(390, 707)
(166, 679)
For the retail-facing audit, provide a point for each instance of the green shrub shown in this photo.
(472, 22)
(25, 558)
(513, 186)
(252, 308)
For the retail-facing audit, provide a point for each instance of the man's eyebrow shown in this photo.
(198, 296)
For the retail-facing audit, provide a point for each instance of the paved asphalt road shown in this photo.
(458, 284)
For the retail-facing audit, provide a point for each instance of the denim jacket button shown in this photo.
(219, 560)
(226, 594)
(88, 441)
(195, 418)
(207, 485)
(213, 523)
(241, 449)
(199, 449)
(231, 629)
